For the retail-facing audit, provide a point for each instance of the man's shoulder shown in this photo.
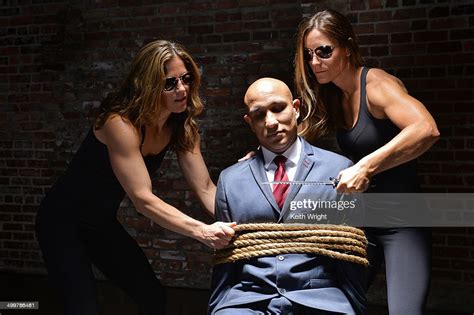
(237, 168)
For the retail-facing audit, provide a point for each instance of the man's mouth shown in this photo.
(275, 134)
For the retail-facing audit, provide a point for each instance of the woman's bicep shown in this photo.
(131, 172)
(123, 145)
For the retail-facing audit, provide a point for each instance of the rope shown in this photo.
(268, 239)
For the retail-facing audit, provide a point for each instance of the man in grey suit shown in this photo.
(289, 283)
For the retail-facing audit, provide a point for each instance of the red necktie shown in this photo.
(280, 190)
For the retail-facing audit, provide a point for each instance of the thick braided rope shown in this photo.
(269, 246)
(295, 227)
(267, 239)
(303, 233)
(307, 239)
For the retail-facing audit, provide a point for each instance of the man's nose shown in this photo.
(270, 120)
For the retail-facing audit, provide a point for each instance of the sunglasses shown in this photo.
(321, 52)
(171, 83)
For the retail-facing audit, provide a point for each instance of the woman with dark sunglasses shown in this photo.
(382, 128)
(153, 111)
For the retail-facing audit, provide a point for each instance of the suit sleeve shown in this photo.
(222, 207)
(349, 164)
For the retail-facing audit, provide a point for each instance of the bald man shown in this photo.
(289, 283)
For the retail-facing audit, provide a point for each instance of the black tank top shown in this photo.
(368, 135)
(89, 189)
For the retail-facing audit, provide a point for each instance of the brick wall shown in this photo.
(59, 59)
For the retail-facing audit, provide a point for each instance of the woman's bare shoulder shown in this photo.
(118, 129)
(379, 77)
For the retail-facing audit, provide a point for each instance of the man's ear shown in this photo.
(296, 107)
(248, 120)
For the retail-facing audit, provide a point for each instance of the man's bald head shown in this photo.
(272, 113)
(267, 86)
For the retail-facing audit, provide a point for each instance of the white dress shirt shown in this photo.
(292, 154)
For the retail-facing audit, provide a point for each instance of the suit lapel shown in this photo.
(258, 170)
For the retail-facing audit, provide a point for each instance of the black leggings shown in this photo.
(407, 254)
(69, 248)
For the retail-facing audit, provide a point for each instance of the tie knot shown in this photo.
(280, 160)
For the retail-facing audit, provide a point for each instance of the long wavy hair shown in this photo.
(138, 98)
(321, 103)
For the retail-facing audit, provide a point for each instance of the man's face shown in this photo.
(272, 115)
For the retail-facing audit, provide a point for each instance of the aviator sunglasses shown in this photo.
(171, 83)
(322, 52)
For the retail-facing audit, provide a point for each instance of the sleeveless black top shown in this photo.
(368, 135)
(89, 190)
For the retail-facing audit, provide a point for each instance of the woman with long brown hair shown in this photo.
(382, 128)
(154, 110)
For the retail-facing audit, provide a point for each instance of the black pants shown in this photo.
(70, 247)
(407, 253)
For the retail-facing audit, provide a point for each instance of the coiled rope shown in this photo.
(266, 239)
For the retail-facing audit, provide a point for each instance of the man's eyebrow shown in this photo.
(255, 109)
(260, 108)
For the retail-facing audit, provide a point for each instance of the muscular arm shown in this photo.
(388, 98)
(195, 171)
(123, 144)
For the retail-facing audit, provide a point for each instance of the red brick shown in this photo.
(446, 275)
(440, 263)
(226, 4)
(374, 16)
(257, 15)
(235, 37)
(419, 25)
(373, 39)
(12, 227)
(249, 3)
(389, 27)
(201, 29)
(200, 7)
(431, 36)
(357, 5)
(364, 28)
(425, 60)
(409, 13)
(379, 51)
(451, 252)
(228, 27)
(396, 61)
(217, 92)
(448, 23)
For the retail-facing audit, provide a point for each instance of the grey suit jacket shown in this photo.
(311, 280)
